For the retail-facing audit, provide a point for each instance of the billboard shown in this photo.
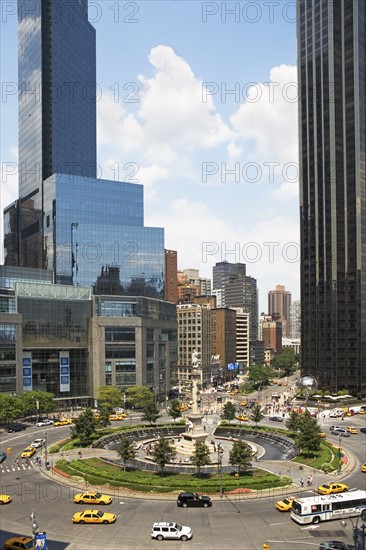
(233, 366)
(27, 371)
(64, 371)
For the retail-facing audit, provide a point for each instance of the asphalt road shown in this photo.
(245, 524)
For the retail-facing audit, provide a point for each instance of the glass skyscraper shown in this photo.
(87, 231)
(332, 116)
(57, 114)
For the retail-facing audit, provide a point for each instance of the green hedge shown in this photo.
(97, 472)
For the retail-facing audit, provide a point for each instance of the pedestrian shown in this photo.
(302, 482)
(309, 481)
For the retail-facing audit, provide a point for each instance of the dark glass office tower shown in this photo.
(57, 114)
(332, 117)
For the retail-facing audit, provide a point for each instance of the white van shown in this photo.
(162, 530)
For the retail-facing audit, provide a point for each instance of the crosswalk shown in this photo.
(9, 468)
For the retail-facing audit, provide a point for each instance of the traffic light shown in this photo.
(265, 546)
(8, 450)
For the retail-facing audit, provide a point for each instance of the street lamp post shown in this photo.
(34, 528)
(220, 452)
(359, 533)
(45, 448)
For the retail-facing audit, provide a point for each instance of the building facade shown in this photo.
(332, 114)
(279, 304)
(295, 319)
(171, 277)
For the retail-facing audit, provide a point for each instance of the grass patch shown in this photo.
(98, 472)
(327, 455)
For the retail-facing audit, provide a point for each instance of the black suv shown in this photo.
(15, 428)
(193, 499)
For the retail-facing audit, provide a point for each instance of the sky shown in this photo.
(197, 101)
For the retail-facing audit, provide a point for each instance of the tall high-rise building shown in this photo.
(279, 303)
(57, 114)
(295, 319)
(225, 269)
(171, 279)
(332, 116)
(87, 231)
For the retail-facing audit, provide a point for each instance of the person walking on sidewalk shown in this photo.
(302, 482)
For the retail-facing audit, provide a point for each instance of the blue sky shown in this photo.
(198, 102)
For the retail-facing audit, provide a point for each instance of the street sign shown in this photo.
(40, 540)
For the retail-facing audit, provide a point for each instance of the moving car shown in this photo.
(330, 488)
(18, 543)
(28, 452)
(343, 433)
(242, 417)
(285, 504)
(38, 443)
(114, 417)
(352, 430)
(2, 457)
(92, 497)
(5, 499)
(45, 422)
(335, 545)
(93, 516)
(193, 499)
(170, 530)
(63, 422)
(275, 419)
(244, 403)
(15, 428)
(363, 467)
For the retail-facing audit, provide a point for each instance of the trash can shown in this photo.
(47, 464)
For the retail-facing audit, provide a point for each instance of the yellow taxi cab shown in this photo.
(28, 452)
(322, 434)
(352, 430)
(19, 543)
(330, 488)
(93, 516)
(244, 403)
(285, 504)
(114, 417)
(363, 467)
(63, 422)
(5, 499)
(91, 497)
(242, 418)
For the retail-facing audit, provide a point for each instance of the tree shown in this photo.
(308, 437)
(150, 412)
(287, 361)
(293, 423)
(103, 414)
(200, 456)
(240, 455)
(256, 415)
(37, 402)
(174, 409)
(10, 407)
(138, 396)
(126, 450)
(163, 453)
(84, 427)
(260, 375)
(228, 412)
(109, 397)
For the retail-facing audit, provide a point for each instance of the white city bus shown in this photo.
(323, 508)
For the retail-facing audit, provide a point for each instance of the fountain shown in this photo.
(195, 431)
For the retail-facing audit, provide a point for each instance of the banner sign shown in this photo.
(27, 371)
(64, 371)
(233, 366)
(40, 540)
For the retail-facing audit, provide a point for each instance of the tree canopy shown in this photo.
(163, 452)
(228, 412)
(174, 409)
(10, 407)
(126, 450)
(150, 412)
(109, 397)
(84, 427)
(139, 395)
(200, 456)
(37, 401)
(240, 455)
(259, 375)
(287, 361)
(256, 414)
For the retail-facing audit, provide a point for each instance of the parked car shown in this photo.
(91, 497)
(2, 457)
(63, 422)
(5, 499)
(162, 530)
(193, 499)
